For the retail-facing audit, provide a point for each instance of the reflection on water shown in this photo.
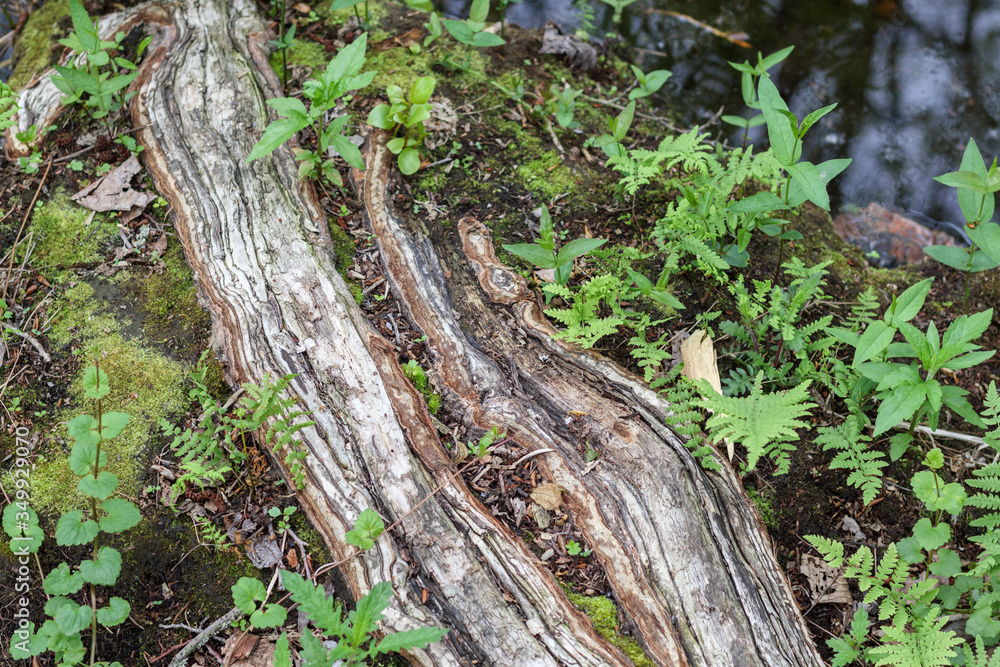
(914, 79)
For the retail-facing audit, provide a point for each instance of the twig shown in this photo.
(223, 622)
(555, 139)
(34, 343)
(171, 626)
(17, 239)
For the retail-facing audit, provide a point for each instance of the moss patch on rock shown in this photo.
(63, 235)
(604, 615)
(35, 47)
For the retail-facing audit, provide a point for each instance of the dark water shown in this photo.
(914, 80)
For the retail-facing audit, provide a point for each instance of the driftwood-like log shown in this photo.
(685, 553)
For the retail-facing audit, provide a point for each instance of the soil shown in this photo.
(499, 163)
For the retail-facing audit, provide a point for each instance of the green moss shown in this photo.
(539, 176)
(415, 374)
(80, 316)
(604, 615)
(144, 384)
(34, 50)
(171, 295)
(400, 66)
(303, 54)
(64, 237)
(765, 507)
(343, 247)
(377, 11)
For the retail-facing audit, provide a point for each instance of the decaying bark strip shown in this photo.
(689, 562)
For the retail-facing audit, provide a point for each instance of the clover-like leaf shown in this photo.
(62, 581)
(100, 487)
(71, 529)
(121, 515)
(115, 613)
(245, 592)
(929, 536)
(103, 570)
(271, 616)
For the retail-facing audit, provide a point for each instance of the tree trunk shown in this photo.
(684, 551)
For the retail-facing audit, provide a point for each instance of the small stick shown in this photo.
(223, 622)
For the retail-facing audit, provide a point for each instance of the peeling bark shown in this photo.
(684, 550)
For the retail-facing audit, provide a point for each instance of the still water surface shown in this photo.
(914, 79)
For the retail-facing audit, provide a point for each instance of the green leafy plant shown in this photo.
(618, 127)
(102, 77)
(685, 417)
(853, 453)
(415, 374)
(8, 107)
(250, 597)
(285, 41)
(908, 390)
(502, 5)
(62, 631)
(618, 6)
(573, 548)
(976, 196)
(763, 423)
(648, 83)
(282, 516)
(565, 99)
(542, 252)
(408, 113)
(340, 76)
(750, 74)
(354, 635)
(470, 31)
(347, 4)
(367, 528)
(133, 146)
(211, 533)
(435, 29)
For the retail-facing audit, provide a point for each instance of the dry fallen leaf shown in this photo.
(698, 355)
(826, 585)
(548, 496)
(112, 192)
(293, 559)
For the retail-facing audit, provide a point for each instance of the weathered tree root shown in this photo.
(684, 552)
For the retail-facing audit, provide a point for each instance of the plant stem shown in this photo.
(93, 516)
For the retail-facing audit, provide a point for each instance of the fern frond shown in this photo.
(926, 645)
(684, 417)
(8, 107)
(763, 423)
(987, 480)
(850, 646)
(982, 657)
(832, 551)
(851, 444)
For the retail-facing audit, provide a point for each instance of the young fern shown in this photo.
(684, 417)
(851, 444)
(924, 644)
(8, 107)
(763, 423)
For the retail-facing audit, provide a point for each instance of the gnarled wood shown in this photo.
(685, 553)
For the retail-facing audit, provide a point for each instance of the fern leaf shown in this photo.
(926, 645)
(8, 107)
(853, 454)
(763, 423)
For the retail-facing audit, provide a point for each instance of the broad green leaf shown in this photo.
(370, 522)
(72, 530)
(20, 524)
(272, 616)
(624, 121)
(121, 515)
(349, 60)
(83, 26)
(827, 172)
(79, 80)
(115, 613)
(983, 623)
(964, 179)
(778, 56)
(418, 114)
(578, 248)
(344, 4)
(666, 298)
(987, 236)
(395, 145)
(407, 639)
(25, 643)
(486, 40)
(348, 151)
(422, 89)
(113, 423)
(409, 161)
(533, 254)
(906, 306)
(642, 282)
(73, 618)
(738, 121)
(117, 83)
(873, 341)
(103, 570)
(246, 592)
(931, 537)
(62, 581)
(380, 117)
(807, 177)
(369, 611)
(479, 10)
(101, 58)
(360, 81)
(290, 107)
(898, 406)
(459, 30)
(762, 202)
(99, 488)
(812, 118)
(909, 550)
(274, 135)
(953, 256)
(954, 398)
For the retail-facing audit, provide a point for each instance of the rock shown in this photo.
(896, 238)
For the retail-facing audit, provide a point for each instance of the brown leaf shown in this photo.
(548, 496)
(112, 191)
(159, 245)
(245, 646)
(292, 558)
(302, 8)
(826, 585)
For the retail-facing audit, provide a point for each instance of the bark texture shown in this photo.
(684, 550)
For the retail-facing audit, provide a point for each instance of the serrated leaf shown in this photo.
(418, 638)
(369, 611)
(322, 610)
